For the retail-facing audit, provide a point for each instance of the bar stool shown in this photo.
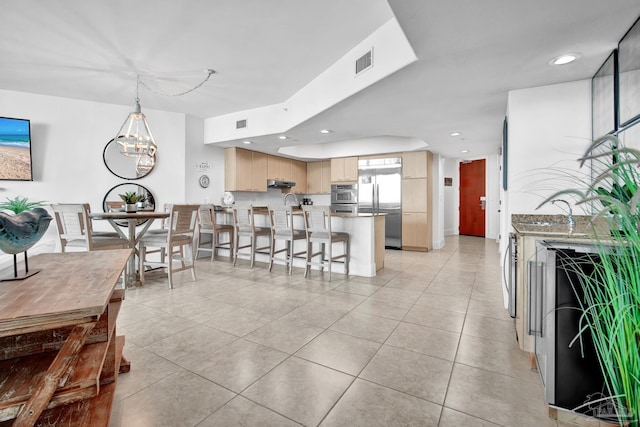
(318, 230)
(244, 223)
(208, 225)
(282, 229)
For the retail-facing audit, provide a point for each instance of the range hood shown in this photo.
(276, 183)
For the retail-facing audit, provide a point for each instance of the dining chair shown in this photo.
(244, 224)
(318, 231)
(282, 229)
(180, 234)
(208, 225)
(75, 229)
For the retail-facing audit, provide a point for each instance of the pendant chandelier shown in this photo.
(134, 139)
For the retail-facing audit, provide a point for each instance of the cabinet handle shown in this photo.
(535, 293)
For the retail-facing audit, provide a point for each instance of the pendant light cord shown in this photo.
(157, 92)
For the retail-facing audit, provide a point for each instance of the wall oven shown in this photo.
(344, 194)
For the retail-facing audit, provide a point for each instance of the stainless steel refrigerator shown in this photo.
(380, 191)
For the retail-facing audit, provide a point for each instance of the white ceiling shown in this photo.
(470, 54)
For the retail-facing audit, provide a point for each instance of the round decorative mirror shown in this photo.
(126, 167)
(113, 203)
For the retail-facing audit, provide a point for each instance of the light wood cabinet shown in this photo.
(244, 170)
(416, 232)
(414, 195)
(344, 169)
(258, 171)
(278, 168)
(299, 176)
(319, 177)
(417, 202)
(414, 164)
(526, 252)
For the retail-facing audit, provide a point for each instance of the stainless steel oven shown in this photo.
(344, 194)
(346, 208)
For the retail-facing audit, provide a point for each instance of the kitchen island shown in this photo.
(366, 236)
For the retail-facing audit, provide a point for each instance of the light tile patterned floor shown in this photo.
(425, 343)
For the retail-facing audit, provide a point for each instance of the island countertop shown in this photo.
(557, 226)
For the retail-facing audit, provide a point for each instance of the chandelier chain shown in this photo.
(140, 82)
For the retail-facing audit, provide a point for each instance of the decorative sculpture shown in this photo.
(20, 232)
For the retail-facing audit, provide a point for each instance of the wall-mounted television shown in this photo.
(15, 149)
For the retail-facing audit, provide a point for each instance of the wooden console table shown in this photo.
(59, 353)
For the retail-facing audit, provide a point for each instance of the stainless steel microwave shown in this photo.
(344, 194)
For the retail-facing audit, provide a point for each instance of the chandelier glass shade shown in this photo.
(134, 138)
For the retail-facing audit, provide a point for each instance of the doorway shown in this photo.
(472, 198)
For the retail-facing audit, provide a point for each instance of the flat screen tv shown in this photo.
(15, 149)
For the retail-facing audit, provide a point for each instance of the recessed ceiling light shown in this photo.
(247, 142)
(455, 134)
(464, 151)
(565, 58)
(325, 131)
(282, 137)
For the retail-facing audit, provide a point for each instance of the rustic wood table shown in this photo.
(59, 353)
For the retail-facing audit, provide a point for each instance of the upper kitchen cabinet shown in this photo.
(278, 168)
(244, 170)
(344, 169)
(299, 176)
(414, 164)
(319, 177)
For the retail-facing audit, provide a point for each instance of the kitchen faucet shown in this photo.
(295, 198)
(570, 220)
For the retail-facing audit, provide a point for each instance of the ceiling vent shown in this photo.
(364, 62)
(241, 124)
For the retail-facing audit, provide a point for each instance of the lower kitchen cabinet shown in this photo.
(526, 250)
(416, 231)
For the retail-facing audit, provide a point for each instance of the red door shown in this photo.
(472, 198)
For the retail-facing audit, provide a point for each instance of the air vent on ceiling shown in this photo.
(241, 124)
(364, 62)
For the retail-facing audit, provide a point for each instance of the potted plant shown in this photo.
(141, 201)
(19, 204)
(611, 304)
(24, 227)
(130, 199)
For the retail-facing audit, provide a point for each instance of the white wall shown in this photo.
(549, 129)
(451, 198)
(68, 138)
(201, 160)
(438, 202)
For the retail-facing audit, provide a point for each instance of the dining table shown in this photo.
(137, 223)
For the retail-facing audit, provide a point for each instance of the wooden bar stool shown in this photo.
(209, 226)
(282, 229)
(244, 223)
(318, 230)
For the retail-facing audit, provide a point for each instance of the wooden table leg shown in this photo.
(45, 388)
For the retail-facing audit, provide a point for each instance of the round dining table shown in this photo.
(132, 220)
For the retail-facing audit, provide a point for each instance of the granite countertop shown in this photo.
(557, 226)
